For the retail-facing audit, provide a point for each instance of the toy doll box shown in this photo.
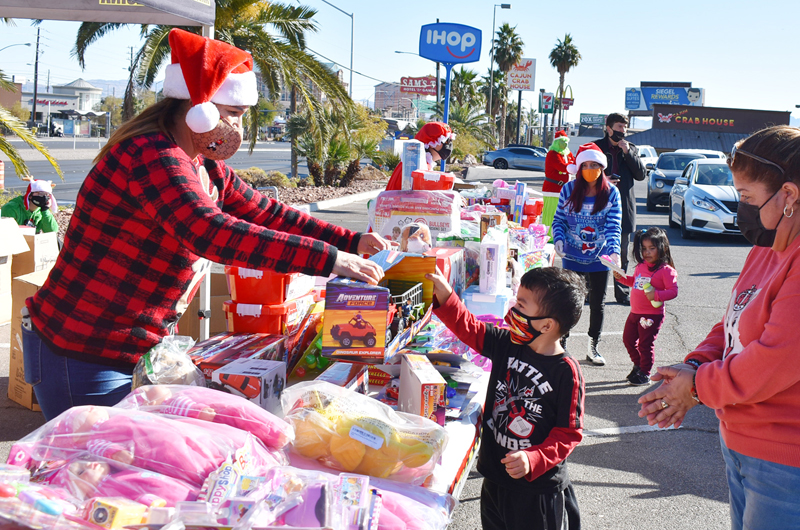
(393, 210)
(225, 348)
(358, 315)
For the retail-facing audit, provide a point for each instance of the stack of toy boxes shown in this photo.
(220, 350)
(358, 315)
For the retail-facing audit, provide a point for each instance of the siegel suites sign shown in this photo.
(715, 119)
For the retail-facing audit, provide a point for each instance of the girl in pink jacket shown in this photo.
(654, 281)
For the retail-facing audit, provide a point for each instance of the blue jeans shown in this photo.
(763, 494)
(60, 382)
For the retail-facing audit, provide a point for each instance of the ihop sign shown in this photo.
(450, 43)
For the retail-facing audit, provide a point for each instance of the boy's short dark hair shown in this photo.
(561, 294)
(616, 117)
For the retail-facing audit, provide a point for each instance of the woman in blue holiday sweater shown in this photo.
(587, 225)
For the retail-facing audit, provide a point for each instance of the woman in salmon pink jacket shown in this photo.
(747, 368)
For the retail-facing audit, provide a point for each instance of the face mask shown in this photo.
(590, 175)
(40, 201)
(522, 330)
(617, 136)
(749, 222)
(446, 149)
(220, 143)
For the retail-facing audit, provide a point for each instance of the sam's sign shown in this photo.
(715, 119)
(450, 43)
(418, 85)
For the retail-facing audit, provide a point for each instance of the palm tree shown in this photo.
(16, 126)
(467, 119)
(563, 58)
(463, 87)
(507, 52)
(279, 55)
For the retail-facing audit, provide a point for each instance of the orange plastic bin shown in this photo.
(251, 286)
(277, 319)
(432, 180)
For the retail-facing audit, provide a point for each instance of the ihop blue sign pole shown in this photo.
(449, 44)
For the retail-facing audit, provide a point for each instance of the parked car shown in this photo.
(708, 153)
(647, 153)
(663, 174)
(703, 199)
(516, 158)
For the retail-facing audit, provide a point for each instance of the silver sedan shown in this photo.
(516, 157)
(703, 199)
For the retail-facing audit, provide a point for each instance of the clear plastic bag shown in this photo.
(168, 363)
(211, 405)
(351, 432)
(181, 448)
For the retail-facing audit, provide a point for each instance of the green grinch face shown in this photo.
(560, 144)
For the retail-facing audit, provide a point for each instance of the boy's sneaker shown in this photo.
(634, 371)
(639, 379)
(594, 356)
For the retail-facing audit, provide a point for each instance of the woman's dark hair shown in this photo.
(658, 237)
(780, 145)
(576, 198)
(561, 294)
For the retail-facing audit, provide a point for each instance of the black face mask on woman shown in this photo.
(749, 221)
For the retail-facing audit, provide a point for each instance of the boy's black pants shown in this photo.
(509, 509)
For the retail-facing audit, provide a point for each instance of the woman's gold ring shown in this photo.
(664, 404)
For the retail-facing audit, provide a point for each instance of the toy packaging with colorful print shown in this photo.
(258, 380)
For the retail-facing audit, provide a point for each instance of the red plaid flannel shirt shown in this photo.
(142, 218)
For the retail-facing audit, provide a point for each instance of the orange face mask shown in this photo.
(590, 175)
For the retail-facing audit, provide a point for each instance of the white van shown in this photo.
(708, 153)
(648, 154)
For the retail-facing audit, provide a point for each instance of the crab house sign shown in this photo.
(450, 43)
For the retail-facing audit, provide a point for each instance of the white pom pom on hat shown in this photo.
(208, 71)
(588, 153)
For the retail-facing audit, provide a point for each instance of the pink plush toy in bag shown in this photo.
(211, 405)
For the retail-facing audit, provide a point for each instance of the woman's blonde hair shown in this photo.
(780, 145)
(158, 117)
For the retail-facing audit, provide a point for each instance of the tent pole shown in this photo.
(208, 31)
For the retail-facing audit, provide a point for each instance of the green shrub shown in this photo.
(258, 178)
(6, 196)
(276, 178)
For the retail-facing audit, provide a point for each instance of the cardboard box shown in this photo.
(41, 256)
(352, 376)
(225, 348)
(421, 387)
(257, 380)
(452, 264)
(19, 391)
(358, 315)
(189, 324)
(11, 242)
(493, 260)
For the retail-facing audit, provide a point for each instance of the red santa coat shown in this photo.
(555, 171)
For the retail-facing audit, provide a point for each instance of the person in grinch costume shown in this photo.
(555, 176)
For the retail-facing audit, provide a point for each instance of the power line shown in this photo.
(354, 71)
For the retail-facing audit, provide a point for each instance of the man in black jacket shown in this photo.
(624, 166)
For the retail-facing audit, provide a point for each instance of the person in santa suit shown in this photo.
(438, 139)
(158, 206)
(555, 175)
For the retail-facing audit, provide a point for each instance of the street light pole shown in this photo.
(20, 44)
(491, 62)
(35, 80)
(352, 27)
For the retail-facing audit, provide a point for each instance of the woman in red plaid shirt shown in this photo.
(158, 200)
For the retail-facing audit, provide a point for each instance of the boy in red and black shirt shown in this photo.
(533, 416)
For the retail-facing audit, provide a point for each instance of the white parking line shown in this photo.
(633, 429)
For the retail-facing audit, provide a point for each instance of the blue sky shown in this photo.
(743, 53)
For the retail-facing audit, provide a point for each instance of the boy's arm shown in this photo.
(568, 432)
(455, 315)
(47, 223)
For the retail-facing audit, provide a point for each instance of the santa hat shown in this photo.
(561, 134)
(208, 71)
(44, 186)
(434, 134)
(588, 153)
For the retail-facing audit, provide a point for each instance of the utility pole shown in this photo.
(35, 79)
(48, 80)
